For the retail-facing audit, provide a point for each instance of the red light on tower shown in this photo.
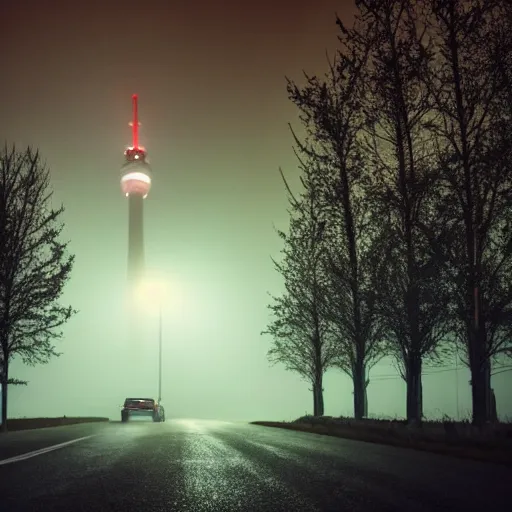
(136, 173)
(135, 123)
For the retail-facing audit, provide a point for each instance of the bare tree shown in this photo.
(470, 85)
(34, 265)
(301, 338)
(412, 295)
(331, 112)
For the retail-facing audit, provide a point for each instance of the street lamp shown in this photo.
(159, 352)
(151, 293)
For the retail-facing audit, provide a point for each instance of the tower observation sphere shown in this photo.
(135, 184)
(135, 173)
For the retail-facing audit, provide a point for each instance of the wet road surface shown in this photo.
(199, 465)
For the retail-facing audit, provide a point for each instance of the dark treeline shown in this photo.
(400, 243)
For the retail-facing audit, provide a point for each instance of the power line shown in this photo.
(504, 369)
(394, 376)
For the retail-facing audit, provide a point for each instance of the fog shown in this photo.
(214, 113)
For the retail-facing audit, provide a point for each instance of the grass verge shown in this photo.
(459, 439)
(15, 424)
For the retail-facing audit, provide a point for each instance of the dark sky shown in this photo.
(214, 110)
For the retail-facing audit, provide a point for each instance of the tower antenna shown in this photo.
(135, 123)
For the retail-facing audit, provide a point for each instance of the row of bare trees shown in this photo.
(400, 243)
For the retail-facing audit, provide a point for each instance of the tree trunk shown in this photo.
(414, 390)
(318, 398)
(359, 377)
(494, 410)
(481, 391)
(367, 381)
(4, 378)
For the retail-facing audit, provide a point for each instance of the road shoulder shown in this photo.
(493, 453)
(14, 444)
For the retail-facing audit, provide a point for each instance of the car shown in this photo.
(142, 407)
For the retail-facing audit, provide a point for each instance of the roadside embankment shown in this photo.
(14, 424)
(461, 439)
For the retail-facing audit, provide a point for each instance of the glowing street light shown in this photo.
(155, 293)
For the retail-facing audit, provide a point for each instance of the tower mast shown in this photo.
(135, 122)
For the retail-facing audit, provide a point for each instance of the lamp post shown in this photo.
(153, 293)
(159, 351)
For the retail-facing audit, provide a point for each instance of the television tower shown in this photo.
(135, 184)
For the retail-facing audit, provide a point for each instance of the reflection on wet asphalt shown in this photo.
(199, 465)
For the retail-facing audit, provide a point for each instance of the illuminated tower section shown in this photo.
(135, 184)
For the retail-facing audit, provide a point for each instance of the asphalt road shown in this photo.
(197, 465)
